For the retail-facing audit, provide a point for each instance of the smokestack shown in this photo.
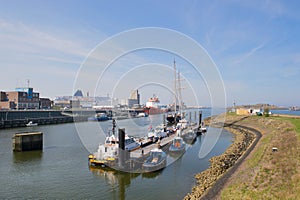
(200, 118)
(122, 139)
(122, 152)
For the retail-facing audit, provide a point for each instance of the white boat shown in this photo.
(152, 135)
(130, 143)
(160, 131)
(142, 114)
(182, 124)
(107, 153)
(31, 124)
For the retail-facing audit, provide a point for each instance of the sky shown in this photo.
(255, 46)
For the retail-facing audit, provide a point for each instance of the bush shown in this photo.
(266, 112)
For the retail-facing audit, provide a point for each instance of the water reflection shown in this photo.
(119, 180)
(27, 156)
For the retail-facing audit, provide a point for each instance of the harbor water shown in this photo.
(286, 112)
(61, 170)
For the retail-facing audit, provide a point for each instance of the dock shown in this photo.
(146, 150)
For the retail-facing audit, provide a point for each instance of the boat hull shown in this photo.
(155, 167)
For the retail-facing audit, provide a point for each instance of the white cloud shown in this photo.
(249, 53)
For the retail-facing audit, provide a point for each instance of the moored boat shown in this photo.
(157, 160)
(105, 156)
(99, 117)
(107, 153)
(29, 124)
(189, 137)
(173, 118)
(177, 146)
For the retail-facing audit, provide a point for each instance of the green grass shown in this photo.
(259, 153)
(264, 186)
(295, 122)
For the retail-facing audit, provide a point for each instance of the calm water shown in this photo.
(61, 170)
(286, 112)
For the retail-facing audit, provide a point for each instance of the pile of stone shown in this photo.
(220, 164)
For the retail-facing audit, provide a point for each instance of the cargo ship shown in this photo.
(153, 106)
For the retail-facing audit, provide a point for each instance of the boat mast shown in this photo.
(179, 92)
(175, 88)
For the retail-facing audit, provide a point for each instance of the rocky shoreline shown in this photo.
(211, 181)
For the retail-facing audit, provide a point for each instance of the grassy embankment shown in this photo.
(265, 174)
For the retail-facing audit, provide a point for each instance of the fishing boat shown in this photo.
(157, 160)
(29, 124)
(189, 137)
(177, 146)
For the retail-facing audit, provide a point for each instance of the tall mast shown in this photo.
(175, 88)
(179, 91)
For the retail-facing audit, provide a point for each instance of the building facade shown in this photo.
(45, 103)
(20, 99)
(134, 98)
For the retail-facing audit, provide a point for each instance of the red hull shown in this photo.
(154, 111)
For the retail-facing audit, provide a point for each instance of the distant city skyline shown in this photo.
(255, 45)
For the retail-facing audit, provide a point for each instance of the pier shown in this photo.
(146, 150)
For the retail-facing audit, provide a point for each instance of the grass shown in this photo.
(266, 174)
(257, 156)
(296, 123)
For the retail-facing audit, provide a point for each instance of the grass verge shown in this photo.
(266, 174)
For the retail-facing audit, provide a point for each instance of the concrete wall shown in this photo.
(28, 141)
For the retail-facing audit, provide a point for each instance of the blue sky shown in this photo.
(255, 44)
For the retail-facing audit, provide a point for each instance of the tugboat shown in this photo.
(157, 160)
(107, 153)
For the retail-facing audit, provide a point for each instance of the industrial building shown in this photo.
(20, 99)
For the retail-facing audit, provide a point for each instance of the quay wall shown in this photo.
(19, 118)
